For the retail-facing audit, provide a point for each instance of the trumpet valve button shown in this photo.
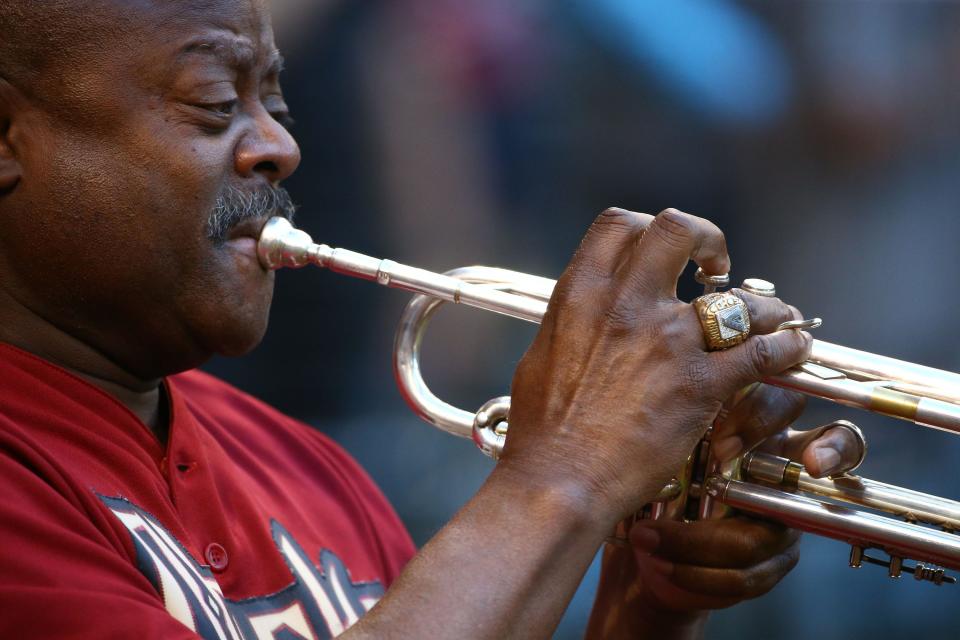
(759, 287)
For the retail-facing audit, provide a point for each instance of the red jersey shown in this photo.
(248, 525)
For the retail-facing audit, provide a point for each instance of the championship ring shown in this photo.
(724, 318)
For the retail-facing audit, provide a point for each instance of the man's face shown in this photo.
(107, 235)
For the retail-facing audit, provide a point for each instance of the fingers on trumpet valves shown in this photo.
(713, 563)
(745, 541)
(829, 450)
(754, 416)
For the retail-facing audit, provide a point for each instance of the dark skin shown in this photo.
(675, 573)
(144, 152)
(116, 167)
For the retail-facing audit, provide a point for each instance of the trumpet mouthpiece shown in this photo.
(283, 245)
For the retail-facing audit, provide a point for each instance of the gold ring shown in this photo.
(724, 318)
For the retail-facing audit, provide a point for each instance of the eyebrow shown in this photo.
(233, 53)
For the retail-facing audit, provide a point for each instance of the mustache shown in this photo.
(234, 206)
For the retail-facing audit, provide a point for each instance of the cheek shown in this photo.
(83, 200)
(226, 303)
(122, 222)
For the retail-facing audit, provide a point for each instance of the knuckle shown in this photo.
(675, 227)
(762, 355)
(616, 217)
(611, 214)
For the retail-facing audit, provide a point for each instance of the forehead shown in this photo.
(101, 55)
(235, 32)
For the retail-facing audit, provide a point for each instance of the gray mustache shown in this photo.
(234, 206)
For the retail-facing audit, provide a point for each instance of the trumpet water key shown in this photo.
(916, 526)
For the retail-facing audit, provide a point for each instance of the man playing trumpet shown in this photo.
(141, 150)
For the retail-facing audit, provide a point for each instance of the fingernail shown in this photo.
(726, 448)
(644, 539)
(828, 459)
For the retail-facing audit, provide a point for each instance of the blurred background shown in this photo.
(823, 137)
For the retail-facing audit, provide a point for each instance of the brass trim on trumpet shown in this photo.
(894, 403)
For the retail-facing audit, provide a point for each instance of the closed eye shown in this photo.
(225, 109)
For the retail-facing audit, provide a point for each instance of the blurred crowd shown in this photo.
(822, 136)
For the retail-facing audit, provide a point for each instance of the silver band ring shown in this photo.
(812, 323)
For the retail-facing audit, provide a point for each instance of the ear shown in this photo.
(10, 170)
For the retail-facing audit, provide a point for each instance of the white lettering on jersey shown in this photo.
(320, 603)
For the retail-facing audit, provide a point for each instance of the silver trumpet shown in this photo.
(918, 527)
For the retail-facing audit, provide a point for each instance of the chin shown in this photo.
(234, 326)
(241, 336)
(227, 311)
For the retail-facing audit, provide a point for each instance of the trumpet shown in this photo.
(916, 527)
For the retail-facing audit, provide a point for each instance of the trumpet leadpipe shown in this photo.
(281, 245)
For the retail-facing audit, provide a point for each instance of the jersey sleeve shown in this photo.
(64, 572)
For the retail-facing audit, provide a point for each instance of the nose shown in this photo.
(267, 149)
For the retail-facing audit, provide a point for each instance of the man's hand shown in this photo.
(608, 402)
(676, 572)
(617, 387)
(760, 420)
